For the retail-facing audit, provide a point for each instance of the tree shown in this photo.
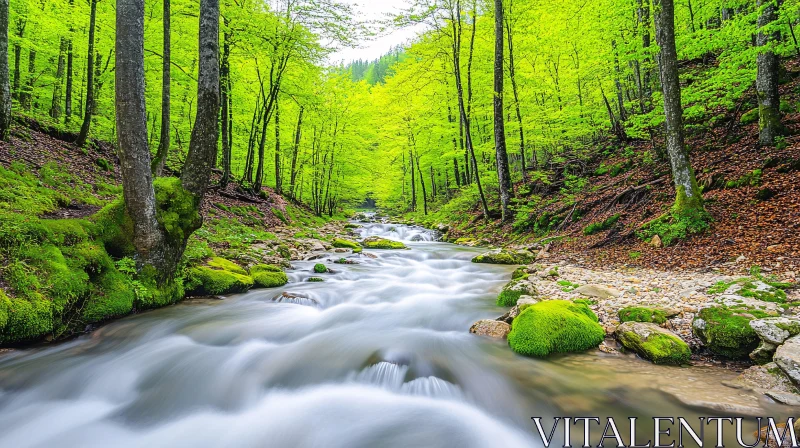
(503, 171)
(159, 248)
(5, 86)
(166, 78)
(769, 100)
(89, 106)
(689, 201)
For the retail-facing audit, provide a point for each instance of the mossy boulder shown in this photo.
(507, 257)
(320, 268)
(642, 314)
(341, 243)
(219, 277)
(375, 242)
(513, 291)
(654, 343)
(268, 276)
(555, 326)
(727, 332)
(749, 117)
(315, 280)
(520, 273)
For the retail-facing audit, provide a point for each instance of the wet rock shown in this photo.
(768, 377)
(510, 315)
(598, 291)
(784, 398)
(776, 330)
(375, 242)
(787, 357)
(491, 328)
(417, 238)
(515, 290)
(296, 299)
(654, 343)
(507, 257)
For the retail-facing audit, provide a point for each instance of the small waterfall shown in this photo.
(392, 377)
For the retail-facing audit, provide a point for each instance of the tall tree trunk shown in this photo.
(55, 105)
(70, 65)
(688, 197)
(623, 116)
(203, 145)
(422, 183)
(20, 25)
(134, 154)
(89, 106)
(512, 73)
(26, 97)
(643, 75)
(769, 100)
(413, 182)
(166, 78)
(278, 147)
(5, 83)
(225, 117)
(298, 134)
(503, 171)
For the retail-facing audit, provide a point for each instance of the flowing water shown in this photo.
(376, 356)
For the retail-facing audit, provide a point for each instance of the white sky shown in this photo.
(373, 49)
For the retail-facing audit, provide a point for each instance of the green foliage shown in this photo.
(601, 226)
(727, 332)
(684, 219)
(555, 326)
(751, 179)
(642, 314)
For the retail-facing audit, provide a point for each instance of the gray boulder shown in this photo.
(787, 357)
(598, 291)
(494, 329)
(773, 331)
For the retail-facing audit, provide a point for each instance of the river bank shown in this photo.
(382, 341)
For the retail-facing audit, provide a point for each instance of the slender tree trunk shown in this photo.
(134, 154)
(512, 73)
(278, 186)
(251, 144)
(769, 100)
(413, 182)
(298, 135)
(503, 171)
(422, 183)
(89, 106)
(643, 73)
(20, 25)
(688, 197)
(203, 146)
(166, 78)
(5, 86)
(26, 97)
(70, 64)
(623, 116)
(225, 116)
(55, 105)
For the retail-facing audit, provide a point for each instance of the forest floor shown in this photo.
(751, 192)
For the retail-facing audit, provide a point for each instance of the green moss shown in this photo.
(661, 348)
(727, 332)
(568, 286)
(749, 117)
(176, 210)
(315, 280)
(601, 226)
(268, 276)
(115, 298)
(587, 302)
(520, 273)
(345, 244)
(27, 321)
(508, 298)
(104, 164)
(382, 243)
(757, 286)
(642, 314)
(284, 251)
(555, 326)
(320, 268)
(113, 227)
(207, 281)
(504, 257)
(687, 217)
(226, 265)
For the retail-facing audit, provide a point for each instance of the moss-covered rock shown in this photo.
(507, 257)
(749, 117)
(654, 343)
(315, 280)
(226, 265)
(25, 320)
(207, 281)
(642, 314)
(727, 332)
(342, 243)
(520, 273)
(268, 276)
(513, 291)
(320, 268)
(555, 326)
(375, 242)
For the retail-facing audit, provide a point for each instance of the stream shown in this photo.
(379, 355)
